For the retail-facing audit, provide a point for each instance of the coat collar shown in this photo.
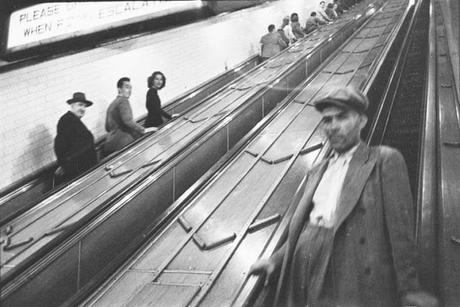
(361, 166)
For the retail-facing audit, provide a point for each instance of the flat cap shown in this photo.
(344, 97)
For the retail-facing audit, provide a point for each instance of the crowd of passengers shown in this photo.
(291, 29)
(74, 143)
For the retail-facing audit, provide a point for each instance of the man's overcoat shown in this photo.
(373, 257)
(120, 125)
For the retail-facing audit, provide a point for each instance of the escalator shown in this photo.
(80, 234)
(201, 256)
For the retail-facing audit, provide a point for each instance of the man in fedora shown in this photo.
(74, 143)
(350, 240)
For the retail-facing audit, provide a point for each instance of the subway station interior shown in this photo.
(118, 188)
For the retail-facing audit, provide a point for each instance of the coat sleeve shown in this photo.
(126, 115)
(284, 37)
(281, 41)
(150, 102)
(320, 21)
(397, 202)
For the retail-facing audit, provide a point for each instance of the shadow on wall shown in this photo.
(37, 152)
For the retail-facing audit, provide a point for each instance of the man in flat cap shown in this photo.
(74, 143)
(350, 241)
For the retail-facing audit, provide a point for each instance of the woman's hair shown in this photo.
(150, 79)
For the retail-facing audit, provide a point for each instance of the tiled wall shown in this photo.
(33, 98)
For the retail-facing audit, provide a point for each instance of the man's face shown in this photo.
(342, 127)
(322, 4)
(78, 108)
(125, 89)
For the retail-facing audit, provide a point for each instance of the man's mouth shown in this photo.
(335, 138)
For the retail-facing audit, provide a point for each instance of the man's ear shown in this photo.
(363, 121)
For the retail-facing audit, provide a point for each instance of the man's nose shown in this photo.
(334, 126)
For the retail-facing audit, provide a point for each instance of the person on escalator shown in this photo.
(313, 23)
(155, 115)
(271, 43)
(119, 122)
(74, 143)
(296, 27)
(286, 27)
(339, 7)
(322, 11)
(330, 12)
(350, 239)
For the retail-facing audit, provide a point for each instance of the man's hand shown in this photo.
(175, 115)
(419, 299)
(263, 267)
(151, 129)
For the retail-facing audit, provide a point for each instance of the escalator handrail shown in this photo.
(427, 183)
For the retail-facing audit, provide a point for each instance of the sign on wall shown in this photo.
(49, 22)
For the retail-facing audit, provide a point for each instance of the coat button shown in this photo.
(367, 271)
(362, 240)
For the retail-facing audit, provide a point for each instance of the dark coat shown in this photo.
(272, 43)
(297, 29)
(313, 23)
(155, 112)
(120, 125)
(74, 146)
(283, 37)
(373, 257)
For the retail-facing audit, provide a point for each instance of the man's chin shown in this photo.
(340, 147)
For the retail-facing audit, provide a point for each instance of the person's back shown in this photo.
(330, 12)
(74, 143)
(272, 43)
(286, 27)
(296, 27)
(322, 12)
(119, 123)
(313, 23)
(283, 37)
(120, 132)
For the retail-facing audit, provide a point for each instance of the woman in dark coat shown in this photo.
(153, 103)
(74, 143)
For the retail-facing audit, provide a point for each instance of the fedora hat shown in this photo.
(345, 98)
(79, 97)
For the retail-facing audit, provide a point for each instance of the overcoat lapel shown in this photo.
(296, 225)
(361, 166)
